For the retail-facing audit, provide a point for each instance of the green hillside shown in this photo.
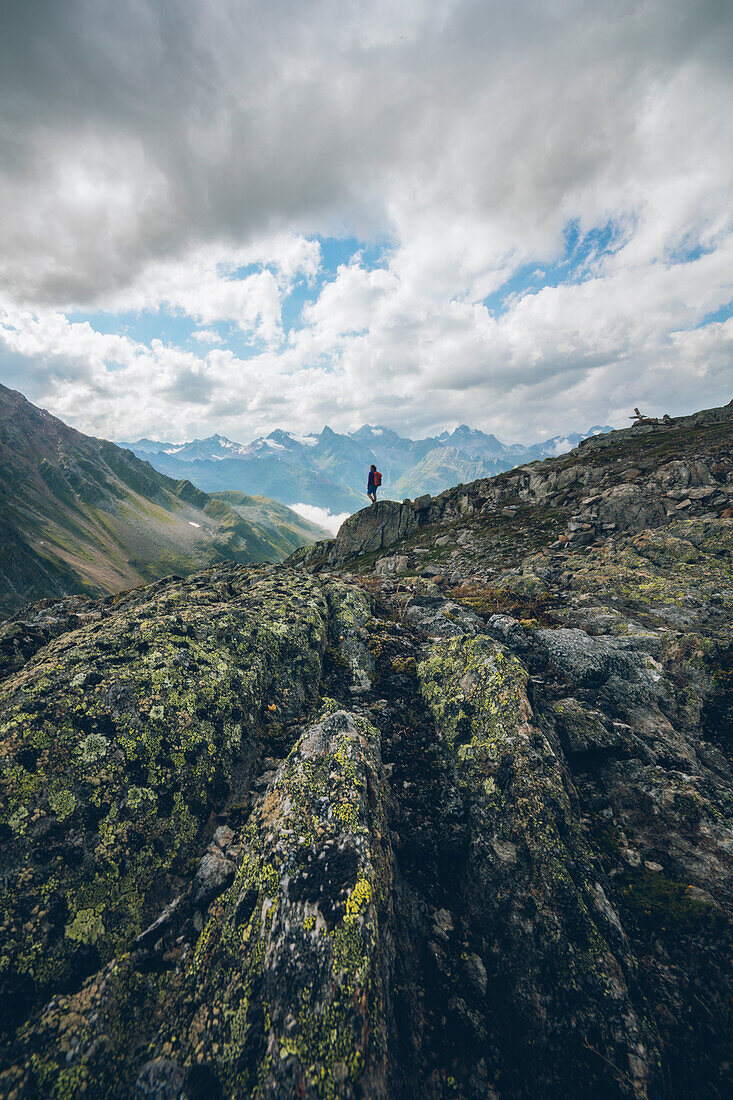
(81, 515)
(282, 528)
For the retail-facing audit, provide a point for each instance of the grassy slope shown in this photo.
(282, 528)
(81, 515)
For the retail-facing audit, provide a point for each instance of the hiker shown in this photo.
(373, 482)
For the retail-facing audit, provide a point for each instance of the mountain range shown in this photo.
(82, 516)
(329, 469)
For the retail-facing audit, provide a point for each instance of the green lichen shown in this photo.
(86, 927)
(18, 820)
(93, 748)
(62, 802)
(484, 708)
(359, 898)
(346, 812)
(236, 957)
(138, 797)
(173, 684)
(522, 819)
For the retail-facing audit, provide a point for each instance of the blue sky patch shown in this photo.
(175, 328)
(581, 251)
(724, 313)
(143, 326)
(335, 252)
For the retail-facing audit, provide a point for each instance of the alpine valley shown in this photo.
(81, 515)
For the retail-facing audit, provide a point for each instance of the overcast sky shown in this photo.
(233, 215)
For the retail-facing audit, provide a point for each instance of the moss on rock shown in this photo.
(118, 741)
(290, 962)
(531, 877)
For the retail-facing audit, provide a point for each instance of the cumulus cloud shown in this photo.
(206, 336)
(190, 159)
(244, 286)
(322, 516)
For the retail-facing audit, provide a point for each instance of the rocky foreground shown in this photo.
(443, 808)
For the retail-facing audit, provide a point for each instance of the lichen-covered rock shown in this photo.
(161, 1079)
(530, 879)
(375, 528)
(24, 635)
(585, 729)
(288, 990)
(394, 563)
(119, 740)
(290, 982)
(215, 872)
(441, 619)
(351, 609)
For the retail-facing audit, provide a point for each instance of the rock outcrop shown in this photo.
(644, 476)
(454, 823)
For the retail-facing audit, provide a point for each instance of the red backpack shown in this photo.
(377, 479)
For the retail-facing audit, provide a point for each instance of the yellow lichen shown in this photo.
(62, 802)
(347, 814)
(359, 898)
(86, 927)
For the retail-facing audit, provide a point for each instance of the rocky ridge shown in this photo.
(329, 469)
(630, 480)
(441, 808)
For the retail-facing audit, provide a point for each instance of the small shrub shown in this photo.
(485, 601)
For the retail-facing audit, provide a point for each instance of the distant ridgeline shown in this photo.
(329, 470)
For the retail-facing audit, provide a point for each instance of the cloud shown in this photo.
(243, 286)
(323, 516)
(135, 131)
(206, 336)
(189, 160)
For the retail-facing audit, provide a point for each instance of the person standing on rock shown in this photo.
(373, 482)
